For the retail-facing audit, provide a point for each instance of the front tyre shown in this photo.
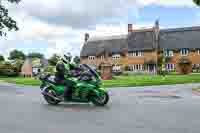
(101, 100)
(49, 99)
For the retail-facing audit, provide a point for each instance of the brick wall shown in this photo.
(148, 55)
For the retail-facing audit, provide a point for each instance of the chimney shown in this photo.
(157, 29)
(130, 28)
(86, 37)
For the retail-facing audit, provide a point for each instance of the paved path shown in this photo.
(141, 109)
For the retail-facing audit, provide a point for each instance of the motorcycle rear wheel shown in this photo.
(49, 99)
(100, 100)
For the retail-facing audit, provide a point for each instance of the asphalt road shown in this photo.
(23, 110)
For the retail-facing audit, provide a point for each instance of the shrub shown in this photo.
(185, 65)
(49, 69)
(6, 69)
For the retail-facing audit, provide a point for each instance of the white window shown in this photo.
(91, 57)
(198, 51)
(184, 52)
(136, 53)
(170, 66)
(136, 67)
(116, 56)
(116, 68)
(102, 57)
(168, 53)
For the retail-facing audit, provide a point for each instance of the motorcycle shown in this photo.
(86, 88)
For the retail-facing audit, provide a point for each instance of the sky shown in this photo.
(56, 26)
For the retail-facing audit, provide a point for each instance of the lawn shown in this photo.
(124, 81)
(20, 80)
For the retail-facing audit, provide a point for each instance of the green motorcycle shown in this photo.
(85, 88)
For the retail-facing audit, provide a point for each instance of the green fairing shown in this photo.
(83, 91)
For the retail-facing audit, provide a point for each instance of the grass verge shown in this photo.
(123, 81)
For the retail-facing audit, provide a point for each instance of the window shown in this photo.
(116, 56)
(170, 66)
(136, 67)
(102, 57)
(116, 68)
(198, 51)
(168, 53)
(184, 52)
(91, 57)
(136, 53)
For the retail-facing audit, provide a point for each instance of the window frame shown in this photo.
(168, 53)
(116, 56)
(198, 51)
(184, 52)
(170, 66)
(136, 67)
(91, 58)
(138, 53)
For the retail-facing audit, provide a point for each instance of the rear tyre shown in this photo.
(49, 99)
(101, 100)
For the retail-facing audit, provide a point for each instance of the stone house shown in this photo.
(139, 50)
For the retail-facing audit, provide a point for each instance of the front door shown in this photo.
(151, 68)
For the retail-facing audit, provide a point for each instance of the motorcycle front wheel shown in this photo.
(101, 100)
(49, 99)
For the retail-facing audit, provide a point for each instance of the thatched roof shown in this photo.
(180, 38)
(110, 45)
(188, 37)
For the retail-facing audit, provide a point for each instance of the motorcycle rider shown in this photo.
(63, 67)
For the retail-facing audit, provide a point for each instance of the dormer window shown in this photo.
(136, 53)
(184, 52)
(102, 57)
(91, 57)
(168, 53)
(198, 51)
(116, 56)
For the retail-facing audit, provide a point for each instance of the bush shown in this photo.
(6, 69)
(117, 73)
(49, 69)
(8, 72)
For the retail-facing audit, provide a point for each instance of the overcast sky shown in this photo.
(53, 26)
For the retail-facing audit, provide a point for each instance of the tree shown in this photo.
(35, 55)
(76, 59)
(53, 60)
(197, 2)
(16, 54)
(6, 22)
(1, 58)
(18, 65)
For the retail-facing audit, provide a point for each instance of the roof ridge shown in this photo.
(180, 29)
(107, 37)
(143, 30)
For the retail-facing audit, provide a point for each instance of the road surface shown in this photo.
(157, 109)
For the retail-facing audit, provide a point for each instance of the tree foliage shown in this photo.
(1, 58)
(35, 55)
(18, 64)
(7, 69)
(16, 54)
(6, 22)
(76, 59)
(197, 2)
(53, 60)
